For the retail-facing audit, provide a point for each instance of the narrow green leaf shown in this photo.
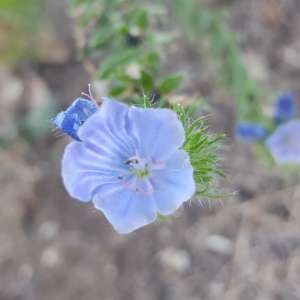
(146, 82)
(170, 84)
(100, 37)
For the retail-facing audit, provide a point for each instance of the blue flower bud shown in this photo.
(250, 132)
(284, 108)
(74, 116)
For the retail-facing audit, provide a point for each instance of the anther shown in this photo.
(131, 161)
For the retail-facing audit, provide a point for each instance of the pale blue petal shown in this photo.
(174, 184)
(158, 132)
(284, 143)
(126, 210)
(108, 127)
(84, 170)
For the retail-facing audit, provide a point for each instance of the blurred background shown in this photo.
(245, 245)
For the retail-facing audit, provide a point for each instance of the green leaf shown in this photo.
(141, 20)
(100, 37)
(151, 59)
(115, 61)
(146, 82)
(170, 84)
(117, 90)
(123, 29)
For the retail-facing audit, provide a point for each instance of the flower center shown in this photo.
(138, 167)
(141, 173)
(138, 176)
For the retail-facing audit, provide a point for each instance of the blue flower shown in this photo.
(285, 108)
(250, 132)
(70, 120)
(284, 143)
(129, 164)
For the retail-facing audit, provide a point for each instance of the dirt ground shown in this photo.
(245, 246)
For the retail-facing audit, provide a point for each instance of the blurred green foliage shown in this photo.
(18, 21)
(205, 29)
(127, 38)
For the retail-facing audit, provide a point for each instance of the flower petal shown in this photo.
(83, 171)
(126, 210)
(158, 132)
(108, 127)
(284, 143)
(174, 184)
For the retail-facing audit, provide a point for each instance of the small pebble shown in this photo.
(219, 244)
(176, 259)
